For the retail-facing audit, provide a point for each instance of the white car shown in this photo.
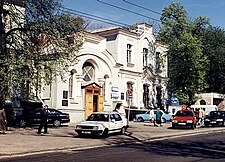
(102, 124)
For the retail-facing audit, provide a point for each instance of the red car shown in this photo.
(184, 118)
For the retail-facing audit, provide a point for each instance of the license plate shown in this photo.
(181, 123)
(86, 132)
(213, 121)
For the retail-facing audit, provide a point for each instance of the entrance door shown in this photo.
(93, 100)
(95, 103)
(88, 105)
(100, 103)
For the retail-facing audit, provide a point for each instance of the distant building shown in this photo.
(210, 99)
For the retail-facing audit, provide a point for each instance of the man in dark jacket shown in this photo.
(44, 120)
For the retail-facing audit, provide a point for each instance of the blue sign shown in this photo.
(174, 101)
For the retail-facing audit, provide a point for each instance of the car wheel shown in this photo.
(57, 123)
(79, 134)
(206, 124)
(22, 123)
(140, 119)
(193, 126)
(173, 126)
(123, 130)
(163, 120)
(105, 133)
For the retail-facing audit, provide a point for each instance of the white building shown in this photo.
(115, 64)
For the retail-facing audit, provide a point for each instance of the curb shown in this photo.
(178, 135)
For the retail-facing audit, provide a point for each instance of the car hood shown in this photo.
(65, 114)
(214, 117)
(140, 115)
(179, 118)
(91, 123)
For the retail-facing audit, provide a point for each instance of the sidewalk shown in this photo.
(24, 141)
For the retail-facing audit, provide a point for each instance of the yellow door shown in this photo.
(88, 105)
(100, 103)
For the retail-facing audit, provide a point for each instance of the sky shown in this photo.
(212, 9)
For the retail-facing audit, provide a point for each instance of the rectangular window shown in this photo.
(145, 57)
(129, 53)
(146, 96)
(65, 94)
(158, 66)
(71, 86)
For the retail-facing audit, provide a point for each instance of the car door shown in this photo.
(36, 116)
(116, 122)
(146, 115)
(119, 121)
(51, 115)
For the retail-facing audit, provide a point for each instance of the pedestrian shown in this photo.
(152, 116)
(159, 117)
(3, 121)
(201, 116)
(44, 120)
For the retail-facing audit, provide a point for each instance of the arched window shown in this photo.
(145, 57)
(202, 102)
(72, 72)
(88, 71)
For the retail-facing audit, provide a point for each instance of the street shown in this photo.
(210, 147)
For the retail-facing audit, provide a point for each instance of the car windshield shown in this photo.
(216, 113)
(184, 113)
(98, 117)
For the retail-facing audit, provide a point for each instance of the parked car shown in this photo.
(146, 116)
(215, 118)
(55, 117)
(14, 116)
(102, 124)
(184, 118)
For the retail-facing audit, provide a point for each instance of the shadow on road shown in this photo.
(188, 147)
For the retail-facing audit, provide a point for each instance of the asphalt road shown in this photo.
(205, 147)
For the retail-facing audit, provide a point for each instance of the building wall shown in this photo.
(108, 56)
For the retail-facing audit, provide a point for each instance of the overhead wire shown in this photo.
(134, 4)
(94, 17)
(128, 10)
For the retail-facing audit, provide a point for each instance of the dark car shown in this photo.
(14, 116)
(184, 118)
(215, 118)
(55, 117)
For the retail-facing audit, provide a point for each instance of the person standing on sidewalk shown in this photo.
(3, 121)
(159, 117)
(152, 116)
(44, 120)
(201, 116)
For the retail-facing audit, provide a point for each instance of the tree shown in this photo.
(214, 43)
(185, 57)
(38, 43)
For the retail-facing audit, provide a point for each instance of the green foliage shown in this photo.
(40, 45)
(185, 55)
(214, 48)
